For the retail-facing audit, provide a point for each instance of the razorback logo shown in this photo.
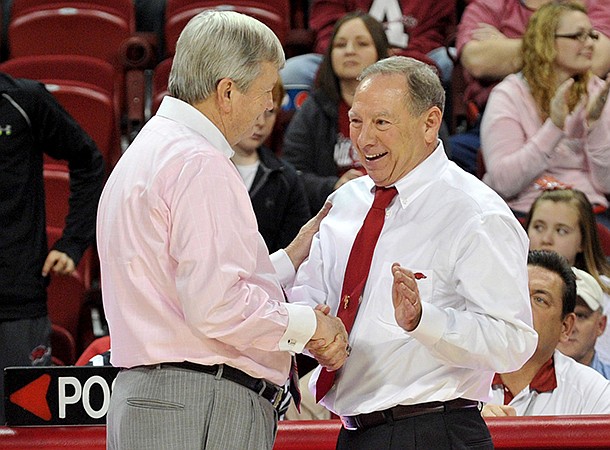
(419, 276)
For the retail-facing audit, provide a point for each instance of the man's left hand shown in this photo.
(405, 297)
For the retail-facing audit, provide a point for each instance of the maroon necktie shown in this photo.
(357, 271)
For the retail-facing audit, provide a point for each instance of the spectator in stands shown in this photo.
(489, 48)
(32, 123)
(417, 29)
(549, 125)
(590, 323)
(277, 193)
(562, 220)
(317, 140)
(194, 305)
(426, 340)
(550, 383)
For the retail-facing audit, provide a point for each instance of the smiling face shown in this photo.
(352, 50)
(555, 226)
(573, 56)
(389, 139)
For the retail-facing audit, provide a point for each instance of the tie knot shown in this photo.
(383, 197)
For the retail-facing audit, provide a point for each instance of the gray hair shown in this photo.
(221, 44)
(424, 86)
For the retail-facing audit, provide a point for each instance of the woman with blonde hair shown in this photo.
(549, 125)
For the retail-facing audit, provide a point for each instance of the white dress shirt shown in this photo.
(477, 320)
(185, 273)
(579, 390)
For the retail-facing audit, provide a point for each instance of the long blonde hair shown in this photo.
(539, 55)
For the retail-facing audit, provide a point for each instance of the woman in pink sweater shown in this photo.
(549, 125)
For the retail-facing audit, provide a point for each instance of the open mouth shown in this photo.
(376, 156)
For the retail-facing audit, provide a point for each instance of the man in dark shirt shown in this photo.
(33, 123)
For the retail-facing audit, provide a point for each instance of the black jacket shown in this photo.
(33, 123)
(309, 145)
(278, 200)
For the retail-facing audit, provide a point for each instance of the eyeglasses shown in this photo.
(580, 36)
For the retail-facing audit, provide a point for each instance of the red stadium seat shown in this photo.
(65, 30)
(57, 192)
(121, 8)
(95, 113)
(159, 83)
(63, 346)
(65, 298)
(97, 347)
(276, 15)
(96, 73)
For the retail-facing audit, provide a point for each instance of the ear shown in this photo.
(566, 327)
(432, 123)
(601, 325)
(224, 94)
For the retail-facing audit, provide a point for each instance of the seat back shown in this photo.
(63, 346)
(276, 15)
(97, 347)
(121, 8)
(65, 30)
(95, 72)
(94, 111)
(159, 83)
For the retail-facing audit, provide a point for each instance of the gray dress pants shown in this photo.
(174, 408)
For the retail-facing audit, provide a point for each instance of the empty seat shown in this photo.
(95, 113)
(121, 8)
(62, 29)
(276, 15)
(65, 298)
(97, 347)
(96, 73)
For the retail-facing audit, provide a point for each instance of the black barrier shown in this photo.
(57, 395)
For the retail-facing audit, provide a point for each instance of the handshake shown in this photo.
(329, 344)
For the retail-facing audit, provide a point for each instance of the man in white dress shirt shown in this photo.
(445, 305)
(550, 383)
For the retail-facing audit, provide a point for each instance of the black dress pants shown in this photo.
(457, 429)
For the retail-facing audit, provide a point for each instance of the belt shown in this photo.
(401, 412)
(262, 387)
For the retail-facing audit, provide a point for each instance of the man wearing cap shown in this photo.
(589, 325)
(550, 383)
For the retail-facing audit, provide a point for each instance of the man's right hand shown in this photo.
(491, 410)
(329, 344)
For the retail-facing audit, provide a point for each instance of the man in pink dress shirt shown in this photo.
(196, 312)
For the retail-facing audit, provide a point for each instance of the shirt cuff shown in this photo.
(431, 326)
(283, 267)
(302, 324)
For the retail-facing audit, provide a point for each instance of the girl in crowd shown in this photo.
(562, 220)
(549, 125)
(317, 140)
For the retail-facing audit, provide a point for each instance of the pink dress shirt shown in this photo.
(185, 274)
(519, 148)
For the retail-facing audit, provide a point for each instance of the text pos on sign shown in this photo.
(58, 395)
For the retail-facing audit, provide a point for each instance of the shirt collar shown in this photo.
(416, 181)
(545, 380)
(181, 112)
